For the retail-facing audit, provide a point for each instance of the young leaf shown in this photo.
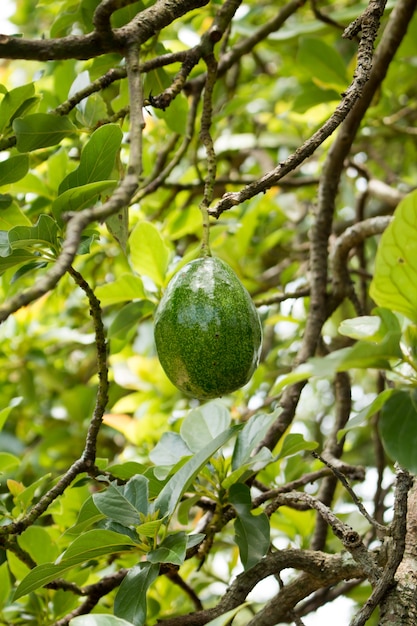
(172, 550)
(130, 601)
(148, 253)
(293, 443)
(395, 274)
(41, 130)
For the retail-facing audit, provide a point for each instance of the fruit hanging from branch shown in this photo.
(207, 330)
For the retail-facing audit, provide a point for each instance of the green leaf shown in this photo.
(148, 253)
(129, 317)
(172, 492)
(97, 158)
(395, 274)
(123, 503)
(323, 62)
(90, 545)
(372, 328)
(11, 214)
(5, 585)
(118, 226)
(170, 448)
(17, 257)
(14, 103)
(8, 462)
(78, 198)
(252, 532)
(125, 287)
(250, 436)
(41, 130)
(130, 600)
(204, 424)
(13, 169)
(99, 619)
(44, 233)
(294, 443)
(171, 550)
(398, 428)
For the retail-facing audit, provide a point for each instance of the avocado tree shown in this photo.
(280, 138)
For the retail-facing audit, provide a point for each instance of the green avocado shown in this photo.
(207, 330)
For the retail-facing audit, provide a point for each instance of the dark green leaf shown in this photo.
(90, 545)
(252, 532)
(130, 601)
(41, 130)
(78, 198)
(398, 428)
(97, 158)
(114, 504)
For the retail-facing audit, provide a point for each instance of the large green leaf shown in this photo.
(323, 62)
(41, 130)
(97, 158)
(125, 287)
(172, 492)
(252, 532)
(204, 424)
(44, 233)
(13, 169)
(123, 503)
(398, 428)
(130, 601)
(78, 198)
(395, 274)
(90, 545)
(14, 103)
(148, 253)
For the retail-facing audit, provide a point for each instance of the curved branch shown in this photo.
(139, 30)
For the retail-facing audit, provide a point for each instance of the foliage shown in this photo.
(128, 132)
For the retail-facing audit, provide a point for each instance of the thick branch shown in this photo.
(140, 29)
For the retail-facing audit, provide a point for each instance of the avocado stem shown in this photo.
(205, 239)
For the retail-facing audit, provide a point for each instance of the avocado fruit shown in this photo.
(207, 330)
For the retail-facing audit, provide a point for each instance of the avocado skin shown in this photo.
(207, 330)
